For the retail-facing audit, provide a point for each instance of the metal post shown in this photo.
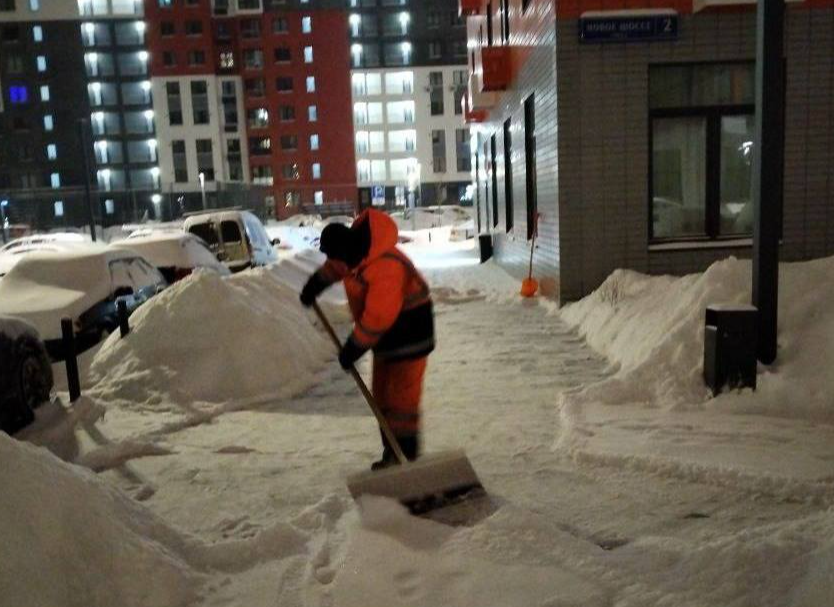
(124, 324)
(85, 145)
(768, 167)
(3, 227)
(68, 337)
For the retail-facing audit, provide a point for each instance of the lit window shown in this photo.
(18, 94)
(48, 123)
(41, 63)
(306, 24)
(55, 180)
(308, 54)
(52, 151)
(312, 113)
(37, 33)
(35, 5)
(316, 170)
(311, 84)
(318, 197)
(59, 208)
(314, 141)
(45, 93)
(109, 206)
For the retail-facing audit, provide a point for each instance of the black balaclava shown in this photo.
(350, 245)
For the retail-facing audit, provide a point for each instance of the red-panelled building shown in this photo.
(278, 99)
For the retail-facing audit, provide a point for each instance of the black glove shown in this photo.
(350, 353)
(315, 285)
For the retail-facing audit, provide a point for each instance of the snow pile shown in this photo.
(213, 339)
(653, 328)
(69, 539)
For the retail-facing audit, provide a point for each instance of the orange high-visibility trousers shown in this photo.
(397, 389)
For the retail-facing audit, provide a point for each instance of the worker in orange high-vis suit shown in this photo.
(393, 315)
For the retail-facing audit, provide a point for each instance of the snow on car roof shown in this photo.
(172, 249)
(53, 238)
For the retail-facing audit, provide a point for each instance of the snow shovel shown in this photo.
(431, 482)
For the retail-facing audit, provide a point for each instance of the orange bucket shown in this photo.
(529, 287)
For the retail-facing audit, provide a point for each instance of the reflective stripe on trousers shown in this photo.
(397, 389)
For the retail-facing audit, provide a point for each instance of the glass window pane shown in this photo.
(737, 174)
(679, 177)
(700, 85)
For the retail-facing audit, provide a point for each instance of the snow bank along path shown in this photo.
(212, 339)
(653, 327)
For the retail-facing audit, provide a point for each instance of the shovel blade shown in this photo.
(431, 482)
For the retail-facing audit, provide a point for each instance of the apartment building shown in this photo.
(254, 92)
(624, 135)
(408, 79)
(76, 112)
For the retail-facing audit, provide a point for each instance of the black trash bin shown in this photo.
(730, 335)
(485, 241)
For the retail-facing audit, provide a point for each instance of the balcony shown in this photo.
(468, 7)
(470, 115)
(497, 68)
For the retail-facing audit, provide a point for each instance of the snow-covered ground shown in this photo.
(221, 448)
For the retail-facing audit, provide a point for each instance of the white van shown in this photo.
(237, 237)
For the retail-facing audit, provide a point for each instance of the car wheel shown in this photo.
(34, 372)
(14, 414)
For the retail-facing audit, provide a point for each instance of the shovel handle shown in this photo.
(380, 418)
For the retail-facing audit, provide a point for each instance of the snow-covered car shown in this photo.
(55, 238)
(84, 284)
(236, 237)
(26, 379)
(174, 254)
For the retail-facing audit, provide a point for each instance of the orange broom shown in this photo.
(529, 286)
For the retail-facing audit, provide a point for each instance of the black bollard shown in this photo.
(124, 324)
(71, 360)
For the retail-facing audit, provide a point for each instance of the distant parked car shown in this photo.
(174, 254)
(26, 380)
(14, 251)
(236, 237)
(83, 284)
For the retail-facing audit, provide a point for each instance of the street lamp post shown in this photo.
(202, 177)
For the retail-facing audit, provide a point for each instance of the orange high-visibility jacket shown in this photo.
(388, 297)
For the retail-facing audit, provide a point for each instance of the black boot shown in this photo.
(410, 445)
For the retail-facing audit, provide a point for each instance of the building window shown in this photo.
(306, 25)
(318, 197)
(286, 113)
(253, 59)
(433, 19)
(290, 172)
(55, 180)
(193, 28)
(292, 198)
(180, 161)
(283, 55)
(250, 28)
(167, 28)
(229, 101)
(255, 87)
(18, 94)
(34, 5)
(289, 142)
(227, 60)
(41, 63)
(283, 84)
(260, 146)
(438, 150)
(316, 170)
(530, 163)
(48, 123)
(257, 118)
(172, 92)
(262, 175)
(37, 33)
(58, 208)
(308, 54)
(436, 93)
(200, 102)
(435, 49)
(314, 142)
(196, 57)
(233, 155)
(508, 168)
(280, 25)
(702, 121)
(169, 59)
(312, 113)
(205, 159)
(52, 151)
(45, 92)
(311, 84)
